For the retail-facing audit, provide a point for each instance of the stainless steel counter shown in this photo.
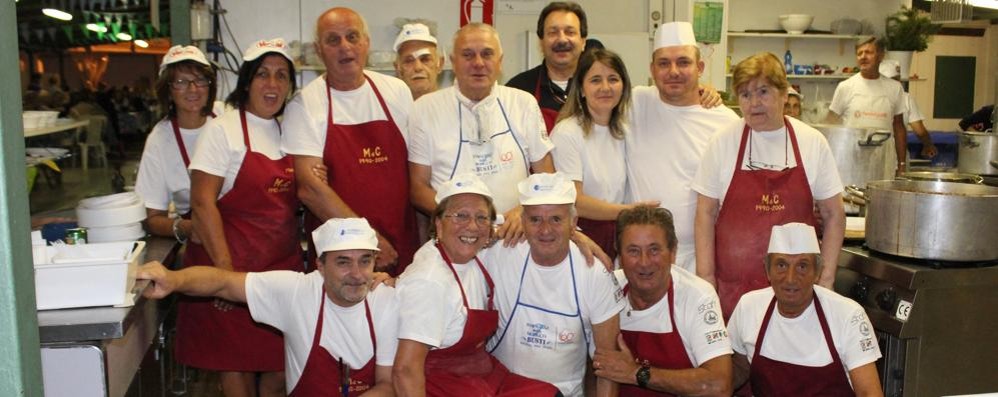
(97, 323)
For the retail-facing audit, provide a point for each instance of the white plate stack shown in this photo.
(116, 217)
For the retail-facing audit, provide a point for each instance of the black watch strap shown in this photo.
(643, 375)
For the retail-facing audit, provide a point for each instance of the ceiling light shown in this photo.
(96, 28)
(992, 4)
(141, 43)
(123, 36)
(57, 14)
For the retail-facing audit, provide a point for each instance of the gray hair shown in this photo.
(482, 27)
(818, 262)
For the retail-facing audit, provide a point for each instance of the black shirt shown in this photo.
(552, 96)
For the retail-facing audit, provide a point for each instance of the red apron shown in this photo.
(321, 375)
(466, 366)
(774, 378)
(180, 141)
(550, 115)
(755, 201)
(369, 170)
(665, 350)
(258, 218)
(603, 233)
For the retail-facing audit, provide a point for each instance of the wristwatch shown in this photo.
(644, 374)
(177, 232)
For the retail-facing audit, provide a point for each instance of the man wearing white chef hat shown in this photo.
(554, 310)
(329, 337)
(668, 119)
(796, 338)
(477, 126)
(912, 115)
(418, 62)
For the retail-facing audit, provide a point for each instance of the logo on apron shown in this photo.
(770, 203)
(280, 185)
(369, 155)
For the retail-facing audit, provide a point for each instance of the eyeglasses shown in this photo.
(462, 219)
(181, 84)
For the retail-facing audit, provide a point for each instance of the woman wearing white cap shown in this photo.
(447, 310)
(766, 169)
(797, 338)
(589, 143)
(186, 91)
(244, 200)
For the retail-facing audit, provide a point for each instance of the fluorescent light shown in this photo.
(141, 43)
(57, 14)
(124, 36)
(96, 28)
(992, 4)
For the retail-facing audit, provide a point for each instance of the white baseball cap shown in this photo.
(890, 68)
(793, 238)
(414, 31)
(674, 34)
(539, 189)
(180, 53)
(792, 92)
(340, 234)
(262, 47)
(462, 183)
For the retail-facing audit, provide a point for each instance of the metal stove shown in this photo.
(936, 323)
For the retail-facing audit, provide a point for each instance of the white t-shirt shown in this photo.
(868, 103)
(698, 316)
(663, 152)
(305, 115)
(600, 298)
(163, 176)
(289, 301)
(431, 309)
(596, 160)
(769, 148)
(221, 148)
(800, 340)
(436, 128)
(912, 114)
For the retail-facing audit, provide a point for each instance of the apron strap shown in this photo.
(370, 330)
(793, 141)
(762, 329)
(180, 141)
(242, 120)
(377, 94)
(488, 278)
(741, 148)
(826, 331)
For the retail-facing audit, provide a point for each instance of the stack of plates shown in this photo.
(116, 217)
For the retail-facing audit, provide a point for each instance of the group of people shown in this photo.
(503, 299)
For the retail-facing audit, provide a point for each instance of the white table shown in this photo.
(59, 126)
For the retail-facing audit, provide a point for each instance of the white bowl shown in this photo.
(796, 23)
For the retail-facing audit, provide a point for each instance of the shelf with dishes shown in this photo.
(788, 37)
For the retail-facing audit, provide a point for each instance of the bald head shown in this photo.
(342, 41)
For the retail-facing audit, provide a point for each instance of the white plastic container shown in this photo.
(85, 275)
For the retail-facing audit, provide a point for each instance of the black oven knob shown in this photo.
(886, 299)
(860, 291)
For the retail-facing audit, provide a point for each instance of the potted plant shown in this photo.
(907, 31)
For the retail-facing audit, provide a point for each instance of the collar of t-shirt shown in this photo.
(473, 105)
(563, 84)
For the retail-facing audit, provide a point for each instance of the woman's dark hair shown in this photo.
(575, 104)
(163, 88)
(239, 97)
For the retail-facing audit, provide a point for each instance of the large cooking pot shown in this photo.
(976, 152)
(860, 153)
(933, 220)
(955, 177)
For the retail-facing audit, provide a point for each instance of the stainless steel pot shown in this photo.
(977, 152)
(860, 154)
(942, 177)
(933, 220)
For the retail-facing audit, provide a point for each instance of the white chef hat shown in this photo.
(339, 234)
(890, 68)
(792, 92)
(462, 183)
(539, 189)
(262, 47)
(793, 238)
(414, 31)
(674, 34)
(180, 53)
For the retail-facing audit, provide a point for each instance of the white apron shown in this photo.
(545, 344)
(498, 158)
(874, 112)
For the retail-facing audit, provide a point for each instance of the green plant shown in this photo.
(909, 30)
